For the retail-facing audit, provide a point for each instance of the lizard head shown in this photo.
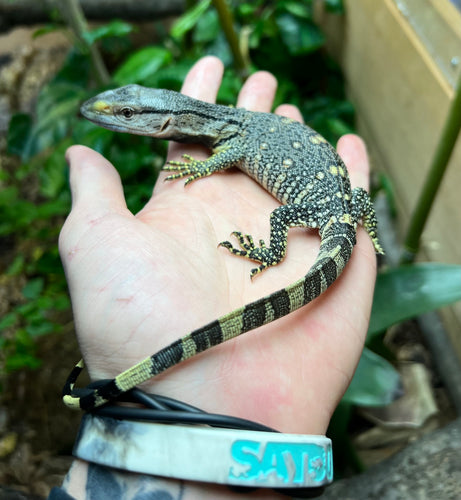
(133, 109)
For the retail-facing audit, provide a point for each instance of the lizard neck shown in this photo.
(191, 120)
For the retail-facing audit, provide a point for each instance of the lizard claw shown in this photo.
(246, 241)
(249, 250)
(230, 247)
(184, 169)
(258, 270)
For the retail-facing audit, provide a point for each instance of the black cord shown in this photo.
(161, 409)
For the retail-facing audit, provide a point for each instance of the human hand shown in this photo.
(138, 282)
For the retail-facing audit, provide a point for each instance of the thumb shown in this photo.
(96, 192)
(95, 183)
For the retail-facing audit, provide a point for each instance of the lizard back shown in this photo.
(294, 163)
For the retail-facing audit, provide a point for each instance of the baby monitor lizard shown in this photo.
(288, 159)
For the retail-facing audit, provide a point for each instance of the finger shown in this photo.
(353, 151)
(203, 80)
(290, 111)
(95, 183)
(258, 92)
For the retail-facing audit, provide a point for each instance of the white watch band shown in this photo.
(200, 453)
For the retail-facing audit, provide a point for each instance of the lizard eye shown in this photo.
(127, 112)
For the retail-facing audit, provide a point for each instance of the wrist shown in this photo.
(85, 479)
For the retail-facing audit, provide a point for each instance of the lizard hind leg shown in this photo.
(362, 208)
(281, 219)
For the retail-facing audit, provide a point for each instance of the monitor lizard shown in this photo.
(288, 159)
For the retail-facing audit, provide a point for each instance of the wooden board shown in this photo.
(396, 64)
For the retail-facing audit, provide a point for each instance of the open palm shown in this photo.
(138, 282)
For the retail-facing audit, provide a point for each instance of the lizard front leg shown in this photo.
(219, 160)
(281, 219)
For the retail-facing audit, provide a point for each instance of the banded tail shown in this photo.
(336, 247)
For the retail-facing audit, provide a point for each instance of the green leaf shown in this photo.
(55, 95)
(336, 128)
(41, 327)
(62, 302)
(323, 107)
(9, 319)
(53, 174)
(335, 6)
(141, 65)
(23, 354)
(27, 309)
(299, 9)
(16, 212)
(170, 77)
(229, 88)
(346, 457)
(91, 135)
(19, 130)
(220, 48)
(406, 291)
(20, 360)
(245, 9)
(387, 187)
(208, 27)
(75, 71)
(299, 36)
(375, 383)
(57, 108)
(187, 21)
(129, 161)
(264, 29)
(55, 206)
(114, 28)
(339, 422)
(33, 288)
(49, 263)
(16, 266)
(47, 28)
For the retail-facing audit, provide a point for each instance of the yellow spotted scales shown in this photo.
(288, 159)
